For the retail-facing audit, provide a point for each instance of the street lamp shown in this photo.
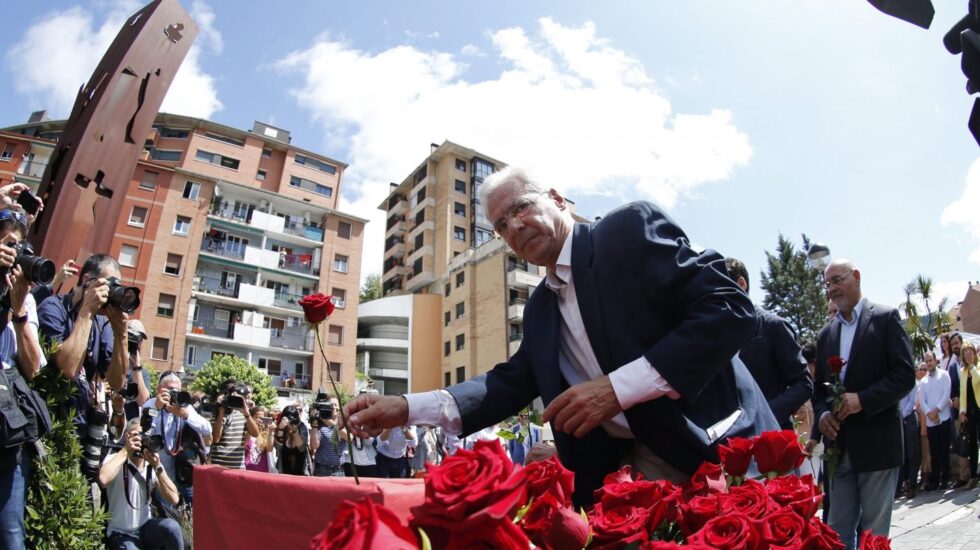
(818, 256)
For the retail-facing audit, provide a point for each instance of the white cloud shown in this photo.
(964, 210)
(472, 49)
(56, 56)
(580, 114)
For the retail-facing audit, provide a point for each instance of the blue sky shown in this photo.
(744, 119)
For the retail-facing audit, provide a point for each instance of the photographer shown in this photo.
(232, 426)
(129, 476)
(292, 436)
(176, 417)
(126, 404)
(90, 332)
(327, 451)
(393, 443)
(24, 414)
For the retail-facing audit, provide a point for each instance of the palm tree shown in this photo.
(923, 287)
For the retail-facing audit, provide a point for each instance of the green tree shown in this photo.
(371, 290)
(225, 367)
(794, 290)
(919, 337)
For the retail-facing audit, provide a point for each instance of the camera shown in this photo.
(207, 406)
(148, 440)
(95, 438)
(124, 298)
(130, 392)
(292, 413)
(133, 343)
(180, 398)
(324, 411)
(37, 269)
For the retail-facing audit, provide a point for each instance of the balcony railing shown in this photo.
(300, 263)
(288, 300)
(210, 327)
(228, 249)
(31, 169)
(214, 285)
(306, 231)
(301, 382)
(229, 212)
(295, 338)
(395, 199)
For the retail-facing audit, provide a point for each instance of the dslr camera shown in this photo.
(37, 269)
(234, 399)
(124, 298)
(148, 440)
(131, 391)
(180, 398)
(292, 413)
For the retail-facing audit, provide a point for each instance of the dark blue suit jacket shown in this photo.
(775, 361)
(641, 290)
(880, 371)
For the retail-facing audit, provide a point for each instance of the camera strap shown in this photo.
(175, 450)
(127, 475)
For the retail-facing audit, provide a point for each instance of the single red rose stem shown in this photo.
(340, 399)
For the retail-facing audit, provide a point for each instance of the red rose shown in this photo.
(618, 525)
(622, 475)
(549, 476)
(778, 452)
(667, 545)
(364, 525)
(750, 499)
(835, 363)
(819, 536)
(697, 511)
(469, 485)
(799, 493)
(784, 528)
(489, 533)
(550, 524)
(316, 307)
(736, 456)
(709, 478)
(870, 541)
(658, 497)
(730, 532)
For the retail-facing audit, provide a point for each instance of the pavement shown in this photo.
(948, 520)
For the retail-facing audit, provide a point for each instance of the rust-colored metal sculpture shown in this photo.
(85, 184)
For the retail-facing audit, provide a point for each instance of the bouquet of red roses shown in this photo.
(479, 499)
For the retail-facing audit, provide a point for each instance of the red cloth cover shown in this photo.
(242, 510)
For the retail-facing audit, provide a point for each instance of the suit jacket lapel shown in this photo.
(587, 293)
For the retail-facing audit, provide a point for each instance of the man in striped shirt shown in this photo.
(231, 429)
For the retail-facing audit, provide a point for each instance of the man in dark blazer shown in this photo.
(867, 426)
(773, 357)
(630, 341)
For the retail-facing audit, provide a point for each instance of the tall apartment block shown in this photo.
(439, 242)
(224, 231)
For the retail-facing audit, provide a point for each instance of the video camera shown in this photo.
(322, 406)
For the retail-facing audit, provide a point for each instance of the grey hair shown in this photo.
(133, 423)
(510, 174)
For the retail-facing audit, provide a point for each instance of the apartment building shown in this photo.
(224, 230)
(439, 242)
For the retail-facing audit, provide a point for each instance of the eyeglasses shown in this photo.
(518, 209)
(18, 217)
(837, 279)
(921, 369)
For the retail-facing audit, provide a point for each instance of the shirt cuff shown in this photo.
(434, 408)
(638, 381)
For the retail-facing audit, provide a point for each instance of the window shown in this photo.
(448, 379)
(191, 356)
(339, 297)
(314, 164)
(323, 190)
(215, 158)
(335, 335)
(460, 309)
(221, 317)
(172, 266)
(166, 304)
(149, 181)
(461, 165)
(417, 267)
(334, 371)
(459, 279)
(419, 197)
(460, 186)
(459, 233)
(460, 209)
(127, 255)
(482, 236)
(191, 190)
(344, 230)
(460, 374)
(226, 139)
(446, 347)
(266, 152)
(260, 175)
(310, 185)
(137, 218)
(340, 263)
(166, 156)
(271, 366)
(173, 133)
(420, 217)
(419, 240)
(447, 290)
(460, 341)
(448, 317)
(182, 226)
(161, 349)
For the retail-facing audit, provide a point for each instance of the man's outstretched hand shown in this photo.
(579, 409)
(369, 414)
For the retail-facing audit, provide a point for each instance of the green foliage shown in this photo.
(922, 331)
(794, 290)
(225, 367)
(371, 290)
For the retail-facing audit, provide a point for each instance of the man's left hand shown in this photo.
(151, 457)
(583, 407)
(850, 404)
(118, 320)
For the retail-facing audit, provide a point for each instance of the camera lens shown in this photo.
(37, 269)
(92, 446)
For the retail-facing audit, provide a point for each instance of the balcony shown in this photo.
(237, 333)
(420, 280)
(519, 278)
(293, 338)
(416, 254)
(397, 205)
(228, 211)
(304, 230)
(301, 382)
(215, 286)
(225, 249)
(516, 309)
(297, 263)
(287, 300)
(31, 169)
(398, 228)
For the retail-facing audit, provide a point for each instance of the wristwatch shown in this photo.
(159, 469)
(18, 319)
(137, 367)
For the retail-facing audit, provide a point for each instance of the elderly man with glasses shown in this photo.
(867, 426)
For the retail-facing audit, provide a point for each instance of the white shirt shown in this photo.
(847, 332)
(122, 516)
(934, 391)
(166, 424)
(634, 382)
(397, 443)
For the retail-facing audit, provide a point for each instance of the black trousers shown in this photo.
(973, 435)
(913, 451)
(391, 467)
(939, 442)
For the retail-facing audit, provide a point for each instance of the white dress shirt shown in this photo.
(934, 396)
(634, 382)
(847, 332)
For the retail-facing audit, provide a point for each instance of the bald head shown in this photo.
(843, 282)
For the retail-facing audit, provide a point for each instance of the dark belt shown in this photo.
(329, 467)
